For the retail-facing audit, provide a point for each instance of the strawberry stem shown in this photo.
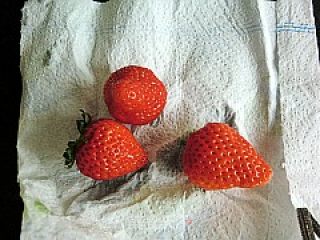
(83, 123)
(70, 152)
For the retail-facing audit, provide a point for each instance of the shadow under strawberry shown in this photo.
(168, 169)
(125, 185)
(169, 158)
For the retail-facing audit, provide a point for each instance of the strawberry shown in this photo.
(218, 157)
(105, 149)
(134, 95)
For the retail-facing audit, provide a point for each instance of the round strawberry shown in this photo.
(105, 149)
(134, 95)
(218, 157)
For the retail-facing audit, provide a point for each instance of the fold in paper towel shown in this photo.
(300, 101)
(211, 55)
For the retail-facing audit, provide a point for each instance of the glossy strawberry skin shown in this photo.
(109, 151)
(217, 157)
(134, 95)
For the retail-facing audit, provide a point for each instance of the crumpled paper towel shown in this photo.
(217, 59)
(299, 81)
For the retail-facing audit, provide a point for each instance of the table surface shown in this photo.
(10, 86)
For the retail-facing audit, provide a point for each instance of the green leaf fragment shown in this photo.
(40, 207)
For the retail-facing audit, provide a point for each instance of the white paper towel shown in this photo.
(300, 101)
(213, 56)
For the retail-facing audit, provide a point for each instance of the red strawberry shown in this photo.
(105, 150)
(134, 95)
(217, 157)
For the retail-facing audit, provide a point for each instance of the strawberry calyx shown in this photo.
(70, 152)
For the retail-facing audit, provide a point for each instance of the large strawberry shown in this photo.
(134, 95)
(105, 149)
(218, 157)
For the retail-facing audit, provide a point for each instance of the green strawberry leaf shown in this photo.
(70, 152)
